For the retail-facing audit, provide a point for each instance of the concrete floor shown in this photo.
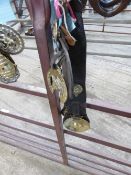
(14, 161)
(108, 80)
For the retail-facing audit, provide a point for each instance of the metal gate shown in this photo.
(67, 154)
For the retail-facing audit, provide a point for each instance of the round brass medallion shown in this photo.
(56, 82)
(77, 124)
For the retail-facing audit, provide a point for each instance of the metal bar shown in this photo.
(99, 156)
(109, 21)
(45, 147)
(125, 33)
(28, 133)
(27, 2)
(107, 25)
(86, 165)
(17, 11)
(30, 48)
(109, 108)
(20, 20)
(39, 153)
(40, 10)
(96, 163)
(25, 88)
(12, 25)
(20, 5)
(101, 142)
(83, 169)
(90, 8)
(111, 55)
(108, 42)
(29, 142)
(25, 119)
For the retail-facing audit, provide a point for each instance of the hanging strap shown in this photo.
(58, 5)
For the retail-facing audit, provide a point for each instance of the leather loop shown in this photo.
(108, 12)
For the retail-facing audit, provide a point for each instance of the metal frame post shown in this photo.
(41, 17)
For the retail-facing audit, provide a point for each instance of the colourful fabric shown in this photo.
(57, 9)
(58, 14)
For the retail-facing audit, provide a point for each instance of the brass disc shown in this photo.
(10, 41)
(76, 124)
(77, 90)
(56, 82)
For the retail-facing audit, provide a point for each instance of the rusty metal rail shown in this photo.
(40, 10)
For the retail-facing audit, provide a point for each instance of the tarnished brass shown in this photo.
(8, 70)
(77, 90)
(55, 30)
(76, 124)
(56, 82)
(10, 40)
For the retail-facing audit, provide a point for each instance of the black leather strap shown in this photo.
(78, 5)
